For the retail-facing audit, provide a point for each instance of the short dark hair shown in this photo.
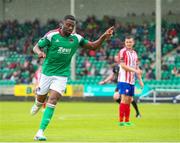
(129, 37)
(71, 17)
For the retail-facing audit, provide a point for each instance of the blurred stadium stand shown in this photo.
(18, 63)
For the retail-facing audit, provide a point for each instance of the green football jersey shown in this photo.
(59, 52)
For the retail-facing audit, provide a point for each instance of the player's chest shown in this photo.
(66, 43)
(131, 58)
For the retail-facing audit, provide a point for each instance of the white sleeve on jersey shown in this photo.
(78, 36)
(50, 35)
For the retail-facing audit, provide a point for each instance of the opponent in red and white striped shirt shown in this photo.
(37, 77)
(128, 68)
(129, 57)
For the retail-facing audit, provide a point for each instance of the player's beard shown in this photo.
(66, 31)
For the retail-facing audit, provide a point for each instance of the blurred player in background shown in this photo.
(114, 77)
(36, 80)
(128, 60)
(61, 44)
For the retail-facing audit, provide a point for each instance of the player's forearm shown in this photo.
(97, 44)
(140, 80)
(36, 49)
(139, 77)
(127, 68)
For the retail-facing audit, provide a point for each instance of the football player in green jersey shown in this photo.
(61, 45)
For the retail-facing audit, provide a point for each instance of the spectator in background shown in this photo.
(15, 76)
(100, 54)
(173, 32)
(92, 53)
(175, 41)
(150, 74)
(94, 71)
(106, 70)
(86, 64)
(175, 72)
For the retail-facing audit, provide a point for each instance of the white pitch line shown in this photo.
(92, 142)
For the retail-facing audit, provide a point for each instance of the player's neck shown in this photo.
(61, 32)
(129, 49)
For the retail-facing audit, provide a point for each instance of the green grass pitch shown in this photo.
(91, 122)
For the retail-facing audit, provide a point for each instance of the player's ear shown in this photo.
(134, 42)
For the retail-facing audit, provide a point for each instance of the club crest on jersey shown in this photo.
(71, 40)
(62, 50)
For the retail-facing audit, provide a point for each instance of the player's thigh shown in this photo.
(123, 98)
(59, 84)
(126, 99)
(44, 84)
(124, 88)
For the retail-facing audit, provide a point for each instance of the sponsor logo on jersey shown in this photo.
(62, 50)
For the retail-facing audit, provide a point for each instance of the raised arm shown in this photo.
(98, 42)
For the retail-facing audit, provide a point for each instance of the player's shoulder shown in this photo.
(134, 51)
(52, 32)
(122, 51)
(78, 36)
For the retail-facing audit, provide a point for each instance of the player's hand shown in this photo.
(138, 72)
(41, 55)
(109, 32)
(141, 84)
(101, 82)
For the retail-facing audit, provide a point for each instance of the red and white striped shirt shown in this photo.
(130, 58)
(52, 32)
(37, 75)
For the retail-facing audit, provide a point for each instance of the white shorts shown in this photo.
(56, 83)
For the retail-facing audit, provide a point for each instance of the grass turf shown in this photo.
(91, 122)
